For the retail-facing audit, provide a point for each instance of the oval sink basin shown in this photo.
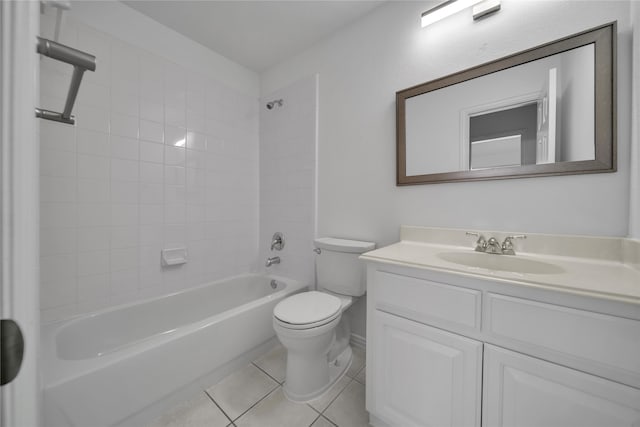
(501, 262)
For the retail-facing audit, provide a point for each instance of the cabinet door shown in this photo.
(423, 376)
(522, 391)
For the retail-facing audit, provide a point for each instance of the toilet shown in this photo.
(310, 325)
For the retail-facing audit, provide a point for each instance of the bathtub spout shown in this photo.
(272, 260)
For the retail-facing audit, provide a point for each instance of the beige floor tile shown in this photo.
(276, 411)
(322, 422)
(348, 409)
(321, 403)
(359, 359)
(239, 391)
(274, 363)
(197, 412)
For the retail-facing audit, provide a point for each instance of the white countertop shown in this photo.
(587, 269)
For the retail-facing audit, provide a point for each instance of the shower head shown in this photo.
(274, 103)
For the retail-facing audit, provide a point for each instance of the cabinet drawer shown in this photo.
(428, 302)
(590, 339)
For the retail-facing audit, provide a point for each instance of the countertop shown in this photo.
(602, 267)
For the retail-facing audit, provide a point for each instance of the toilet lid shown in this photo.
(307, 307)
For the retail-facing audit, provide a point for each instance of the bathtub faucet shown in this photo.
(272, 260)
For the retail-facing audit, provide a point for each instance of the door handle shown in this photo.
(11, 350)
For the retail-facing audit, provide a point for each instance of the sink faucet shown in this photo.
(272, 260)
(492, 246)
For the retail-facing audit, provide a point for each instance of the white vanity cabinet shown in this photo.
(457, 350)
(427, 376)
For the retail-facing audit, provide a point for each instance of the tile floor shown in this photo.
(252, 396)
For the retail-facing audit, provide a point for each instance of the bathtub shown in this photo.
(117, 366)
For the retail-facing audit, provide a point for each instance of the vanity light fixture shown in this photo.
(451, 7)
(485, 8)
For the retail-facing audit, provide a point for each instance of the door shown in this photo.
(19, 302)
(522, 391)
(547, 111)
(423, 376)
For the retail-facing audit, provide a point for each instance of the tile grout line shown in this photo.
(219, 407)
(280, 383)
(356, 375)
(314, 420)
(269, 393)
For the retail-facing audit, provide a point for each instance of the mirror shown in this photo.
(544, 111)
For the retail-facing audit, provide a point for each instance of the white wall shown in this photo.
(363, 66)
(634, 212)
(120, 186)
(288, 178)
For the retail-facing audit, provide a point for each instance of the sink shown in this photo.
(508, 263)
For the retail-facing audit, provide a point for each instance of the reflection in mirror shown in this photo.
(533, 113)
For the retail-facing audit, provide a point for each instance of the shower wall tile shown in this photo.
(88, 142)
(287, 177)
(58, 190)
(93, 167)
(93, 191)
(91, 118)
(152, 130)
(124, 125)
(161, 156)
(124, 148)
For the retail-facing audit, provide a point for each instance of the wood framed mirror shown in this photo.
(549, 110)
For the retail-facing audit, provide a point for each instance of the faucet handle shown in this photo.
(481, 243)
(507, 245)
(277, 241)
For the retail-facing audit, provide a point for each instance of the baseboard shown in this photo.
(359, 341)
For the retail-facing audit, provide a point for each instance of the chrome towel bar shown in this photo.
(81, 62)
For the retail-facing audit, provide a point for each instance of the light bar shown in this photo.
(445, 9)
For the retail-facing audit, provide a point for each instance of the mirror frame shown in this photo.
(604, 40)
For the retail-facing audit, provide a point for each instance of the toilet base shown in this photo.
(337, 369)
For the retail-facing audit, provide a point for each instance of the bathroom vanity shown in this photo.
(547, 337)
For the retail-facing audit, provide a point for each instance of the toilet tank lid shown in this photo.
(343, 245)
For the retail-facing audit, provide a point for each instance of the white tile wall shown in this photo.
(161, 156)
(287, 178)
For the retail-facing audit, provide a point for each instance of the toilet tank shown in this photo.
(338, 268)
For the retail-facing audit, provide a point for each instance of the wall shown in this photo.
(634, 211)
(164, 154)
(288, 178)
(363, 66)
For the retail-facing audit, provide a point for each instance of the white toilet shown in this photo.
(310, 324)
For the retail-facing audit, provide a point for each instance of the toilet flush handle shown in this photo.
(317, 250)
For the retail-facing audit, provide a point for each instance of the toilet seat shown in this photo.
(307, 310)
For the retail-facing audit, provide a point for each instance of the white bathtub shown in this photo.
(112, 367)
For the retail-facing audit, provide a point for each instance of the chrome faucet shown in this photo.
(481, 243)
(272, 260)
(492, 246)
(277, 241)
(507, 245)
